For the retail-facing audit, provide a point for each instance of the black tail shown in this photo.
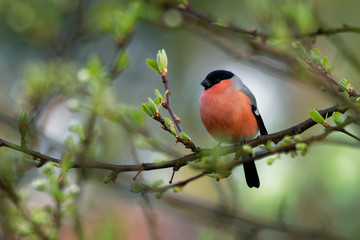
(251, 175)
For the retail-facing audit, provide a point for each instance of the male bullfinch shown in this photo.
(229, 113)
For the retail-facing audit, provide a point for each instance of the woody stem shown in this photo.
(168, 106)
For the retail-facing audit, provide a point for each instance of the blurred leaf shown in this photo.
(270, 161)
(137, 188)
(158, 183)
(122, 61)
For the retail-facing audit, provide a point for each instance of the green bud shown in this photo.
(247, 148)
(315, 115)
(344, 84)
(325, 62)
(268, 146)
(147, 109)
(287, 140)
(315, 56)
(337, 118)
(21, 115)
(298, 138)
(184, 136)
(173, 132)
(302, 50)
(270, 161)
(168, 122)
(176, 189)
(301, 147)
(162, 61)
(152, 105)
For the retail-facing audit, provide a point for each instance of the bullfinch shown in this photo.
(229, 113)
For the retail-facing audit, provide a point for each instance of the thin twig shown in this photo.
(343, 130)
(332, 31)
(167, 104)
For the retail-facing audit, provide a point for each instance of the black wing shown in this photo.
(259, 120)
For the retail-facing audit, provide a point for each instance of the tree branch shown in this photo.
(181, 161)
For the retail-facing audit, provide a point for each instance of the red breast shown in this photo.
(226, 112)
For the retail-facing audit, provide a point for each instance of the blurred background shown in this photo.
(79, 68)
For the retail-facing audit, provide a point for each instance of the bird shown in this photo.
(229, 113)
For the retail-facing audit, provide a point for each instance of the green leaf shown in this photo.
(184, 136)
(176, 189)
(315, 115)
(66, 162)
(147, 109)
(152, 105)
(158, 94)
(153, 65)
(337, 118)
(315, 56)
(325, 62)
(315, 50)
(344, 84)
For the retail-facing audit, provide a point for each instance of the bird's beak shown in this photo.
(206, 84)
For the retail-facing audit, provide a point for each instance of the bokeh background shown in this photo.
(52, 50)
